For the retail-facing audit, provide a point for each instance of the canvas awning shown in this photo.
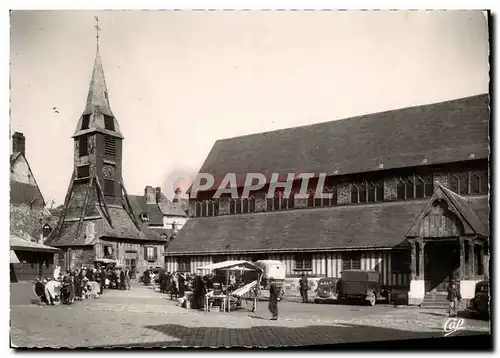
(17, 243)
(231, 265)
(13, 258)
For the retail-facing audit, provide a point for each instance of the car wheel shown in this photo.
(372, 299)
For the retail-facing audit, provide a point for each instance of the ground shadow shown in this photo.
(282, 337)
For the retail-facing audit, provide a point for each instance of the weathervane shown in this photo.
(97, 27)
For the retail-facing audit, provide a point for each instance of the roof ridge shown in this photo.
(360, 116)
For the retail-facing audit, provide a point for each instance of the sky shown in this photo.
(180, 80)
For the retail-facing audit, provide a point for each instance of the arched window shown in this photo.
(401, 189)
(251, 202)
(246, 207)
(371, 192)
(479, 182)
(459, 183)
(237, 203)
(203, 208)
(277, 201)
(354, 194)
(210, 208)
(409, 186)
(362, 192)
(198, 209)
(291, 200)
(310, 198)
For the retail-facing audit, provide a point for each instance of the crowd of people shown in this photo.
(84, 283)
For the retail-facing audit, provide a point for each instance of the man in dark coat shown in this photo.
(78, 285)
(199, 292)
(122, 280)
(182, 286)
(273, 301)
(304, 287)
(453, 297)
(102, 282)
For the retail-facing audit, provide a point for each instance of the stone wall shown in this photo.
(26, 220)
(390, 189)
(260, 202)
(224, 206)
(344, 193)
(300, 201)
(442, 179)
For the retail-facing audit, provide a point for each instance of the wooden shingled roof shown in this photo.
(382, 225)
(437, 133)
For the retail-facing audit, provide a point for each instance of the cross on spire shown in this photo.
(97, 27)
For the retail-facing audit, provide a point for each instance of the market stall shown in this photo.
(231, 295)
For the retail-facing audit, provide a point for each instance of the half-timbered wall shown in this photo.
(323, 264)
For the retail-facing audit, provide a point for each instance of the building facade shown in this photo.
(408, 198)
(157, 212)
(29, 219)
(98, 220)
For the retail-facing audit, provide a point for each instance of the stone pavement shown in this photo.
(142, 317)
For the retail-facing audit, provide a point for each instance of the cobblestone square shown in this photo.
(145, 318)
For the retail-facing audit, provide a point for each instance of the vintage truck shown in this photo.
(359, 285)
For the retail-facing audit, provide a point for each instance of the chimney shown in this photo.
(150, 195)
(158, 194)
(18, 143)
(177, 196)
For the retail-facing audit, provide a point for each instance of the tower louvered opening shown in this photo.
(109, 145)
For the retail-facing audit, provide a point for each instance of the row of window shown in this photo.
(150, 252)
(408, 188)
(109, 145)
(400, 262)
(109, 122)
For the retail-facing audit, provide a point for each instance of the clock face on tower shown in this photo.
(108, 171)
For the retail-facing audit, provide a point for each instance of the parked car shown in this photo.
(480, 304)
(359, 285)
(327, 289)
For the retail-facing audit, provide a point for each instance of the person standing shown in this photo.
(273, 301)
(102, 282)
(182, 286)
(304, 287)
(128, 276)
(453, 298)
(122, 279)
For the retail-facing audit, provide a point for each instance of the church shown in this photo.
(97, 220)
(409, 199)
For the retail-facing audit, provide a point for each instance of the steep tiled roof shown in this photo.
(353, 226)
(22, 193)
(139, 205)
(173, 209)
(122, 228)
(440, 133)
(343, 227)
(462, 204)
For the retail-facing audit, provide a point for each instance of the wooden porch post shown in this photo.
(421, 263)
(413, 260)
(472, 245)
(481, 260)
(461, 242)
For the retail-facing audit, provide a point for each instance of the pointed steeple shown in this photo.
(97, 116)
(97, 98)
